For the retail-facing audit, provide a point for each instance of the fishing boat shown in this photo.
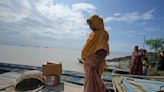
(130, 84)
(9, 73)
(117, 70)
(112, 69)
(73, 81)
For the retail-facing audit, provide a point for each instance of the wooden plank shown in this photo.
(147, 85)
(8, 79)
(136, 85)
(117, 83)
(139, 76)
(50, 88)
(68, 87)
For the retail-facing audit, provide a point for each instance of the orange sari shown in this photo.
(98, 40)
(92, 79)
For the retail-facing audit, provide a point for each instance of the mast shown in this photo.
(144, 42)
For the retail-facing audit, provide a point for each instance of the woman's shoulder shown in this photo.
(106, 34)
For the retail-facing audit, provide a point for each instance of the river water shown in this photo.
(37, 56)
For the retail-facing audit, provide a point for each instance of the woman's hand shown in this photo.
(97, 57)
(94, 65)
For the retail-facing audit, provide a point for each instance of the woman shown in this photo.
(161, 61)
(136, 62)
(93, 55)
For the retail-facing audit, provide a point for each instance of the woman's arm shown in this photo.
(99, 55)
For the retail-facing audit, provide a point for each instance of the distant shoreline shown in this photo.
(126, 57)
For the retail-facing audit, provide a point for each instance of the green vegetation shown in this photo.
(153, 71)
(156, 44)
(153, 58)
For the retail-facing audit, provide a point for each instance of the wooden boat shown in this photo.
(112, 69)
(11, 72)
(129, 84)
(117, 70)
(119, 59)
(122, 83)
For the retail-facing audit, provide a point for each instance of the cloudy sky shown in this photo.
(62, 23)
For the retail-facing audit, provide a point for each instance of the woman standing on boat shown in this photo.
(93, 55)
(136, 62)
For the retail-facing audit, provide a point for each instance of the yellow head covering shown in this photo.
(97, 22)
(97, 39)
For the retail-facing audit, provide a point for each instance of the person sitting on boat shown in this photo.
(145, 66)
(93, 54)
(136, 62)
(161, 61)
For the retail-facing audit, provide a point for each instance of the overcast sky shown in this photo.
(62, 23)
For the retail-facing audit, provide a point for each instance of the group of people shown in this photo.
(139, 62)
(95, 51)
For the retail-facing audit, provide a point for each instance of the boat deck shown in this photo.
(73, 81)
(8, 80)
